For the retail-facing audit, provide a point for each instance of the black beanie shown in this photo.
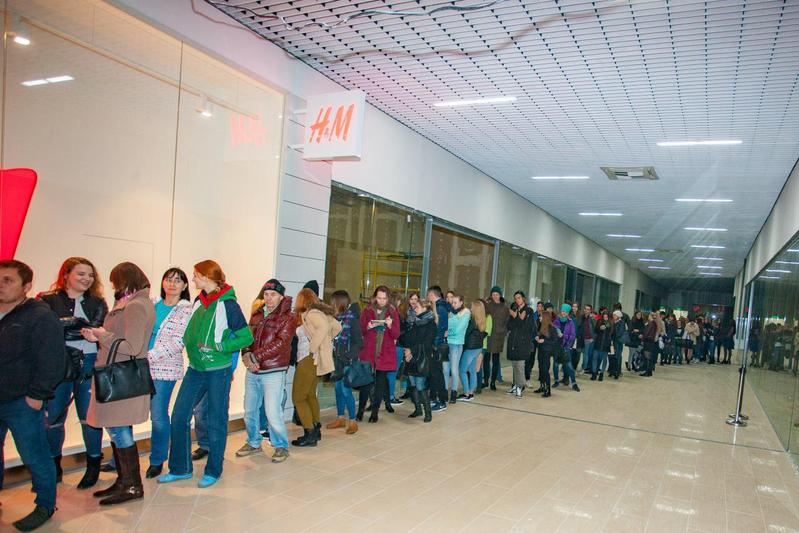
(313, 285)
(274, 285)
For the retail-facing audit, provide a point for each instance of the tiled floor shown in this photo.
(633, 455)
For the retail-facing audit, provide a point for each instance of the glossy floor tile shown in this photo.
(621, 456)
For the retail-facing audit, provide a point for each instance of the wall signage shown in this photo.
(334, 126)
(16, 191)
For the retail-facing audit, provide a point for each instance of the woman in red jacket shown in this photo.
(380, 324)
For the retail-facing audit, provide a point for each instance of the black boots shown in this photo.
(425, 401)
(59, 472)
(110, 490)
(541, 388)
(317, 428)
(35, 519)
(416, 402)
(547, 392)
(453, 396)
(92, 472)
(129, 486)
(308, 439)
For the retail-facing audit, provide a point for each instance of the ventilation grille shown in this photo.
(630, 173)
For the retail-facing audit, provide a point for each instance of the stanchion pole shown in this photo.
(737, 419)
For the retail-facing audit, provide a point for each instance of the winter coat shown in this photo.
(635, 337)
(520, 335)
(131, 319)
(387, 357)
(272, 336)
(499, 330)
(567, 328)
(580, 326)
(166, 357)
(651, 331)
(443, 322)
(217, 328)
(603, 337)
(321, 329)
(32, 352)
(551, 341)
(349, 342)
(619, 328)
(473, 339)
(419, 336)
(691, 331)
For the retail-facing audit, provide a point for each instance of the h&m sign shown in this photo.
(334, 129)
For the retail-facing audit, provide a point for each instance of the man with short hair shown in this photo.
(267, 361)
(585, 336)
(437, 384)
(32, 364)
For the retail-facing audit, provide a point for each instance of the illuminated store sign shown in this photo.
(16, 191)
(334, 129)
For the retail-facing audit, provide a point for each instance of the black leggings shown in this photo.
(528, 365)
(378, 393)
(490, 368)
(436, 383)
(543, 367)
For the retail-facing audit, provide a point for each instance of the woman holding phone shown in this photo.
(380, 325)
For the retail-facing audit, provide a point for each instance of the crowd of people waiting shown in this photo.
(437, 346)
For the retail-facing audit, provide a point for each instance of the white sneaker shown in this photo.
(512, 390)
(518, 393)
(529, 384)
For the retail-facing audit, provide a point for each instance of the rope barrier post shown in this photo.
(737, 419)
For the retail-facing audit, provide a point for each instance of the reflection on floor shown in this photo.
(634, 455)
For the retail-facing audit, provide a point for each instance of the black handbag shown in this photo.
(442, 353)
(359, 375)
(74, 366)
(122, 380)
(420, 366)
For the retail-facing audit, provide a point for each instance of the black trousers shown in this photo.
(528, 365)
(436, 383)
(490, 368)
(575, 355)
(544, 359)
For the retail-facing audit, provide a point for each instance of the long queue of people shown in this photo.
(440, 348)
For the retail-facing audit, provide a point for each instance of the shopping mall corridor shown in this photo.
(630, 455)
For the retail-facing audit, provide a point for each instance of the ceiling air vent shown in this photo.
(630, 173)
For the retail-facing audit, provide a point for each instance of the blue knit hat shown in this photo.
(565, 308)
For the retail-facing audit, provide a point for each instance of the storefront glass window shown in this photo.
(461, 263)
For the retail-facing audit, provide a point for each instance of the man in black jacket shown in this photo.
(32, 363)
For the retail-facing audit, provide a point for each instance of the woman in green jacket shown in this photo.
(216, 330)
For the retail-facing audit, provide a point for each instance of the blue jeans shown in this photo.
(122, 436)
(27, 427)
(568, 371)
(711, 350)
(345, 398)
(215, 385)
(587, 351)
(418, 382)
(265, 393)
(452, 367)
(159, 415)
(468, 370)
(57, 409)
(392, 376)
(600, 361)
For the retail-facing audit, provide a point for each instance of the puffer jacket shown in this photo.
(499, 329)
(691, 331)
(520, 335)
(419, 336)
(603, 336)
(272, 333)
(551, 340)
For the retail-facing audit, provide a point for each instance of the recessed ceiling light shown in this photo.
(705, 229)
(769, 277)
(709, 274)
(476, 101)
(640, 249)
(624, 236)
(46, 81)
(650, 260)
(561, 177)
(659, 268)
(712, 246)
(22, 40)
(59, 79)
(600, 214)
(790, 250)
(19, 30)
(787, 262)
(710, 266)
(708, 258)
(710, 200)
(777, 270)
(700, 143)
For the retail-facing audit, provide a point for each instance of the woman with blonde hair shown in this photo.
(316, 328)
(472, 347)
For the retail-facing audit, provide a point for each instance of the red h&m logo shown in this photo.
(16, 191)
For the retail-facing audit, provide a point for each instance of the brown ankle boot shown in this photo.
(130, 485)
(352, 428)
(337, 423)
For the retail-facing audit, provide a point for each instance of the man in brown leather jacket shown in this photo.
(267, 361)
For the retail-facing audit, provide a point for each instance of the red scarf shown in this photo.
(208, 299)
